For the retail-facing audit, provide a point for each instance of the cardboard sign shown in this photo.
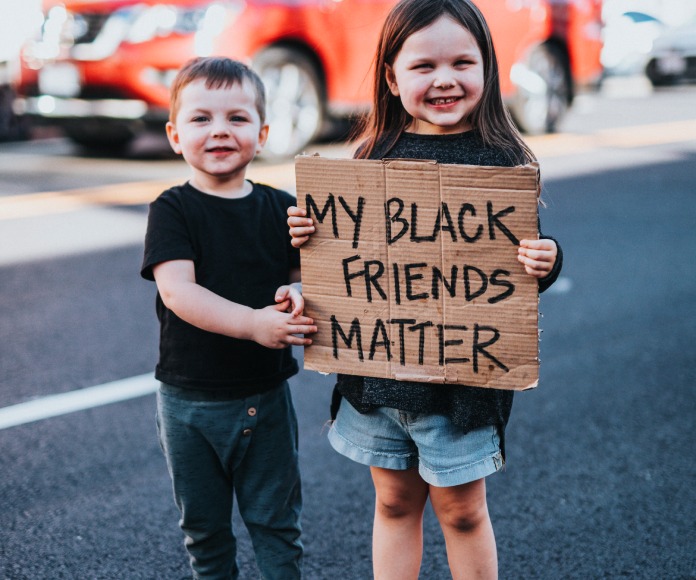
(412, 271)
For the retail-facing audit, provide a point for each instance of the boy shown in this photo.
(219, 251)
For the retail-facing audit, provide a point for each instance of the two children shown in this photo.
(219, 252)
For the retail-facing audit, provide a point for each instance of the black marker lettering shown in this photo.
(382, 330)
(480, 347)
(409, 281)
(355, 332)
(356, 217)
(421, 339)
(495, 281)
(347, 277)
(494, 222)
(468, 208)
(390, 219)
(402, 343)
(450, 286)
(468, 294)
(329, 205)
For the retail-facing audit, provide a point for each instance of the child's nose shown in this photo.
(443, 80)
(219, 127)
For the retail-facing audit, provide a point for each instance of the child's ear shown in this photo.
(173, 137)
(391, 80)
(263, 136)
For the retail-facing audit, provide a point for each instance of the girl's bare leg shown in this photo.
(463, 514)
(397, 538)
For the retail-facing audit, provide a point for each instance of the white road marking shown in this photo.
(61, 404)
(87, 229)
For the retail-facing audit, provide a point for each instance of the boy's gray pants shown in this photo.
(246, 447)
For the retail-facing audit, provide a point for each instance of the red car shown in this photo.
(101, 68)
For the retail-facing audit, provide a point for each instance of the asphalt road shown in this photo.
(600, 477)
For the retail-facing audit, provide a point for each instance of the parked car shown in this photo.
(16, 24)
(628, 39)
(673, 56)
(101, 68)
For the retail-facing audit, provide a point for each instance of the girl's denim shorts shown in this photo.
(393, 439)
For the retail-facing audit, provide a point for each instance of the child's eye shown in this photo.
(423, 66)
(199, 119)
(238, 119)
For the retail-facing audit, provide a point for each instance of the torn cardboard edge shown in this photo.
(412, 271)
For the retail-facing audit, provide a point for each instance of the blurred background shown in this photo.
(599, 482)
(99, 70)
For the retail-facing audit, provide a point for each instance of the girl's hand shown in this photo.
(274, 328)
(537, 256)
(291, 295)
(301, 227)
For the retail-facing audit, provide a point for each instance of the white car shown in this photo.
(628, 38)
(673, 56)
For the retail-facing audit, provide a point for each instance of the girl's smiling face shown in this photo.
(438, 75)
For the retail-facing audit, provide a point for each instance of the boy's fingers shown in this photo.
(297, 242)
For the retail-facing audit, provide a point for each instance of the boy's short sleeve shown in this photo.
(167, 237)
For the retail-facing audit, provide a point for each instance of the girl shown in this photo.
(436, 96)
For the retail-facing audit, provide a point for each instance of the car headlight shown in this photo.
(162, 20)
(90, 39)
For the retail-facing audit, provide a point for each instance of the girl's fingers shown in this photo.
(299, 222)
(299, 341)
(297, 242)
(538, 255)
(542, 244)
(293, 210)
(536, 269)
(303, 329)
(282, 306)
(296, 232)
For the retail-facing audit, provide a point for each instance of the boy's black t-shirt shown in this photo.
(241, 251)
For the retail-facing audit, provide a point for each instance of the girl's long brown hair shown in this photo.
(387, 120)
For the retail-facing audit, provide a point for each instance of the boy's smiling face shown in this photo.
(218, 132)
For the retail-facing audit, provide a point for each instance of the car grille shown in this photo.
(86, 27)
(690, 68)
(102, 92)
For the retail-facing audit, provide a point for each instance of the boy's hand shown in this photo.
(301, 227)
(538, 256)
(292, 294)
(274, 328)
